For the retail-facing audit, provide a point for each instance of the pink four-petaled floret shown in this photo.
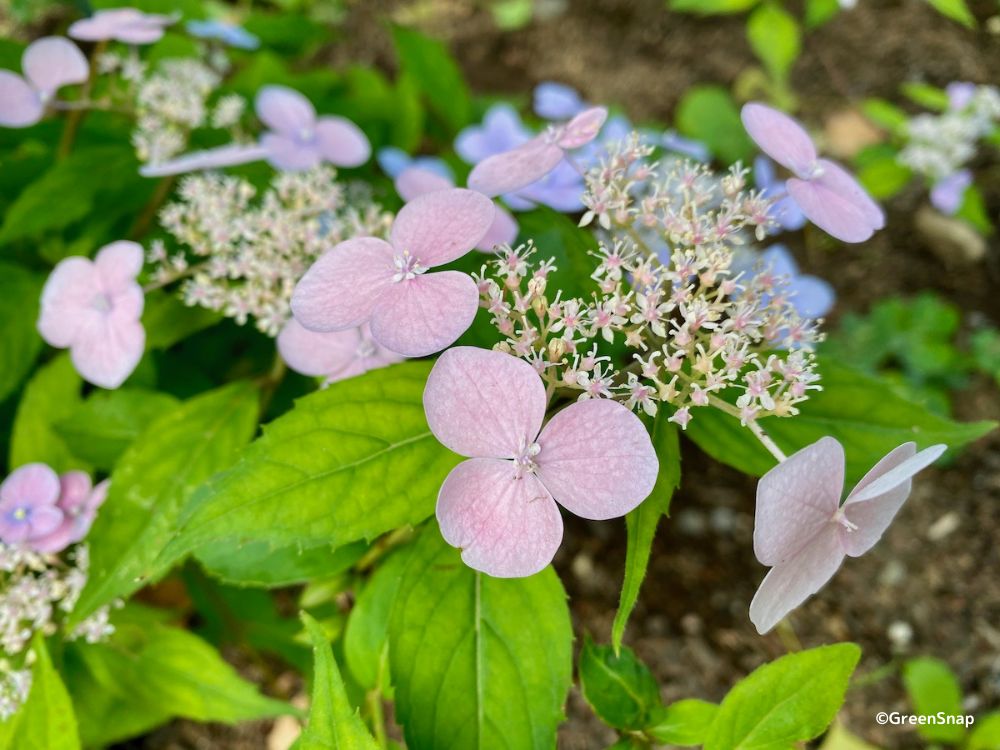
(336, 355)
(48, 64)
(127, 25)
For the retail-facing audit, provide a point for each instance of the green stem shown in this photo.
(76, 116)
(145, 219)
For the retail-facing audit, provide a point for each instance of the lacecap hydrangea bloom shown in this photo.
(804, 532)
(499, 507)
(127, 25)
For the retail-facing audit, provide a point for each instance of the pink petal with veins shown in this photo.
(781, 137)
(440, 226)
(515, 169)
(583, 128)
(341, 142)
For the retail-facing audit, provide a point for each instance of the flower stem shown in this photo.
(76, 115)
(156, 200)
(756, 429)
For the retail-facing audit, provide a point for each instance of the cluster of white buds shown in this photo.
(171, 102)
(36, 590)
(242, 257)
(938, 145)
(669, 321)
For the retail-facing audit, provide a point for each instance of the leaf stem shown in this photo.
(149, 211)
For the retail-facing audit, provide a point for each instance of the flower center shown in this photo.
(840, 518)
(19, 514)
(366, 349)
(814, 172)
(101, 303)
(306, 135)
(524, 461)
(407, 267)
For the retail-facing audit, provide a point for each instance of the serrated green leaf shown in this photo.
(46, 720)
(933, 688)
(107, 422)
(711, 7)
(349, 462)
(860, 411)
(436, 73)
(333, 723)
(641, 523)
(683, 723)
(52, 394)
(620, 688)
(151, 484)
(257, 564)
(790, 700)
(477, 662)
(956, 10)
(20, 291)
(775, 38)
(709, 114)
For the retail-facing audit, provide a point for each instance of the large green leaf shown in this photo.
(712, 7)
(860, 411)
(775, 38)
(333, 722)
(477, 662)
(46, 720)
(102, 427)
(151, 484)
(430, 65)
(641, 523)
(258, 564)
(20, 290)
(957, 10)
(686, 722)
(620, 688)
(790, 700)
(933, 688)
(167, 320)
(349, 462)
(709, 114)
(51, 395)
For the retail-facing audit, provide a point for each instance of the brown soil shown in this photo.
(691, 625)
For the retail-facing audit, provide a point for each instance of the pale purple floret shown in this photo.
(960, 94)
(29, 508)
(678, 144)
(802, 530)
(297, 139)
(416, 181)
(48, 64)
(334, 355)
(499, 507)
(784, 210)
(79, 501)
(826, 193)
(94, 308)
(501, 130)
(811, 296)
(387, 284)
(227, 33)
(947, 194)
(126, 25)
(394, 161)
(557, 101)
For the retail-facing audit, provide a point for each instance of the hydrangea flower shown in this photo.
(335, 355)
(416, 181)
(93, 308)
(678, 144)
(500, 131)
(126, 25)
(803, 531)
(516, 169)
(297, 140)
(811, 296)
(29, 505)
(947, 194)
(960, 94)
(785, 210)
(227, 33)
(394, 161)
(78, 501)
(557, 101)
(386, 284)
(825, 192)
(48, 64)
(499, 507)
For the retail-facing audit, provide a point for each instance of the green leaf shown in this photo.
(20, 291)
(926, 95)
(711, 7)
(933, 688)
(50, 396)
(477, 662)
(683, 723)
(884, 176)
(819, 12)
(257, 564)
(46, 720)
(436, 73)
(349, 462)
(709, 114)
(775, 38)
(167, 320)
(641, 523)
(885, 114)
(620, 688)
(790, 700)
(860, 411)
(156, 671)
(974, 211)
(102, 427)
(151, 484)
(840, 738)
(985, 734)
(559, 238)
(367, 632)
(956, 10)
(333, 722)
